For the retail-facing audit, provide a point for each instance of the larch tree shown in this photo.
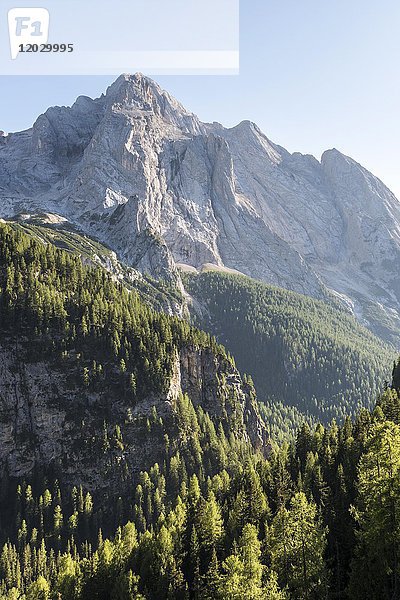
(376, 567)
(297, 546)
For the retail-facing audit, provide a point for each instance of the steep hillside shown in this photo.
(134, 464)
(93, 382)
(137, 171)
(315, 520)
(53, 229)
(300, 351)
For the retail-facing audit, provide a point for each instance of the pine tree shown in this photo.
(39, 590)
(211, 580)
(376, 568)
(250, 554)
(298, 544)
(210, 523)
(272, 590)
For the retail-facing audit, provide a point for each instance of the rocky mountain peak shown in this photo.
(129, 89)
(135, 161)
(358, 182)
(137, 94)
(333, 159)
(249, 133)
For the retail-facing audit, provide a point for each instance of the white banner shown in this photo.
(99, 37)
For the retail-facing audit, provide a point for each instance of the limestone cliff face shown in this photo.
(139, 172)
(49, 421)
(217, 386)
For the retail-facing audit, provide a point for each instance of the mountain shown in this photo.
(140, 173)
(214, 517)
(93, 381)
(299, 351)
(308, 359)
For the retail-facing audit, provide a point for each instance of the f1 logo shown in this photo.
(27, 25)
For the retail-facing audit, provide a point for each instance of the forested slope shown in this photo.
(46, 229)
(144, 472)
(316, 520)
(95, 385)
(298, 350)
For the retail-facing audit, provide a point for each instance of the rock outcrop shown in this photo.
(49, 422)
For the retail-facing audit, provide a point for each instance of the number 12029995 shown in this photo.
(46, 48)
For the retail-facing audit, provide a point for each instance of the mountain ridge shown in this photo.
(142, 174)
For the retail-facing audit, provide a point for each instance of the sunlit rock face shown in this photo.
(139, 172)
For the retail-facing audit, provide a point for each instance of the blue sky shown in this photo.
(314, 75)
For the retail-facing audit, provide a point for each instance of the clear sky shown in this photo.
(315, 74)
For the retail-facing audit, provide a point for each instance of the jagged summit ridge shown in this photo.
(138, 171)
